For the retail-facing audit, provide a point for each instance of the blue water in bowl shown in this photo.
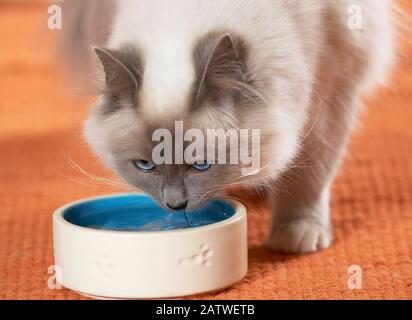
(141, 213)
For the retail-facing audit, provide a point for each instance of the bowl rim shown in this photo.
(58, 217)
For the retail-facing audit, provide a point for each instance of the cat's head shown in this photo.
(209, 86)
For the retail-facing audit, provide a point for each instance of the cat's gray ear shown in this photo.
(122, 70)
(220, 66)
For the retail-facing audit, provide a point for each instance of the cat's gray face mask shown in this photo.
(220, 82)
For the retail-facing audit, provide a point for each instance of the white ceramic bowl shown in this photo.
(150, 264)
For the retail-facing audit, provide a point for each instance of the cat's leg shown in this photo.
(301, 228)
(300, 208)
(351, 63)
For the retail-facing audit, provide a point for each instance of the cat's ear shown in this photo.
(221, 66)
(122, 70)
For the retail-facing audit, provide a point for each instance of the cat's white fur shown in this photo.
(310, 67)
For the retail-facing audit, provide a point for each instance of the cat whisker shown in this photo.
(94, 177)
(81, 182)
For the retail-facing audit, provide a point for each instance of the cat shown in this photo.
(294, 69)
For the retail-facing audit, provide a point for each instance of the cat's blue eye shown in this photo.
(201, 166)
(144, 165)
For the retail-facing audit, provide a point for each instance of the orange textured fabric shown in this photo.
(40, 130)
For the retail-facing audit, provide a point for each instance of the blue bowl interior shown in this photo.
(141, 213)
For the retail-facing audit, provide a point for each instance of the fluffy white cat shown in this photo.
(295, 69)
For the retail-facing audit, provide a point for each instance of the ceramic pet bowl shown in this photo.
(126, 247)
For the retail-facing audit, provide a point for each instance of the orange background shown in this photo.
(40, 128)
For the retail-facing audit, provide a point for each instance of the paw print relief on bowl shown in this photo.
(203, 257)
(103, 265)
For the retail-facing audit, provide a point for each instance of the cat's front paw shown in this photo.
(300, 236)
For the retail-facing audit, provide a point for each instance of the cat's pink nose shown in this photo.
(177, 207)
